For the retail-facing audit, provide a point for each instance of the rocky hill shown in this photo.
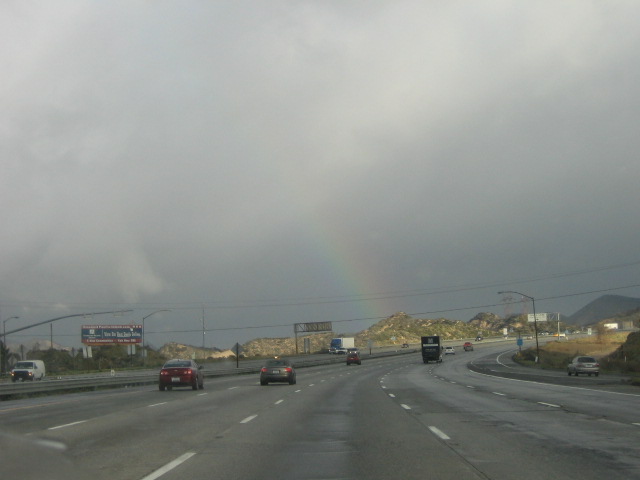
(395, 330)
(178, 350)
(401, 328)
(268, 347)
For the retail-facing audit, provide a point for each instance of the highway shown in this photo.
(475, 416)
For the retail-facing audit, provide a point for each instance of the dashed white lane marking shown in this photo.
(406, 407)
(278, 402)
(231, 388)
(470, 386)
(66, 425)
(169, 466)
(392, 395)
(549, 404)
(501, 394)
(156, 404)
(439, 433)
(248, 419)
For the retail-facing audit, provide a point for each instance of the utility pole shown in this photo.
(203, 330)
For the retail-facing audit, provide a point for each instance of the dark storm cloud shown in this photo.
(244, 155)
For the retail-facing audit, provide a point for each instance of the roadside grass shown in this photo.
(606, 348)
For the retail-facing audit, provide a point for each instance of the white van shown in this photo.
(28, 370)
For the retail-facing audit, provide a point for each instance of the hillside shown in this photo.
(395, 330)
(178, 350)
(606, 306)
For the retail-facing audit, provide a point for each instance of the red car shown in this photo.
(468, 347)
(181, 373)
(353, 357)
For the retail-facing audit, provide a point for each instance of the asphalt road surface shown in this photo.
(475, 416)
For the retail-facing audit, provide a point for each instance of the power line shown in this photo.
(323, 300)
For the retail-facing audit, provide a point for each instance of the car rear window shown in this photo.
(587, 359)
(177, 364)
(277, 363)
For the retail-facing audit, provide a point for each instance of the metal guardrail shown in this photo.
(52, 385)
(68, 383)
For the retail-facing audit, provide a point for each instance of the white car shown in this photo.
(449, 351)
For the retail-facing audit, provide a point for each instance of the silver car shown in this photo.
(583, 364)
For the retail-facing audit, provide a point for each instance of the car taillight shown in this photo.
(263, 369)
(288, 369)
(164, 372)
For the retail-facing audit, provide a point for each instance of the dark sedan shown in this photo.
(278, 370)
(181, 373)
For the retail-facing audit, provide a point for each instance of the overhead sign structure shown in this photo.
(111, 334)
(312, 327)
(540, 317)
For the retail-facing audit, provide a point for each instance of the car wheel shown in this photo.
(292, 381)
(264, 382)
(596, 374)
(161, 388)
(575, 373)
(201, 386)
(588, 374)
(568, 373)
(169, 388)
(194, 386)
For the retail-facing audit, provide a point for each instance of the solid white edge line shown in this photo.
(66, 425)
(558, 386)
(248, 419)
(549, 404)
(439, 433)
(406, 407)
(156, 404)
(169, 466)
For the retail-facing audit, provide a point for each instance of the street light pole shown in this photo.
(535, 319)
(4, 343)
(144, 351)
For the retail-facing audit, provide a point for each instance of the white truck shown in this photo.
(342, 344)
(28, 370)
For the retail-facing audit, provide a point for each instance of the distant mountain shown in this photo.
(607, 306)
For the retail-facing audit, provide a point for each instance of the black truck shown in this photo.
(431, 349)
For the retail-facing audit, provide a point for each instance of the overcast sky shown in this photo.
(269, 163)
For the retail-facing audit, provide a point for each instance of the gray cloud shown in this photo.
(243, 157)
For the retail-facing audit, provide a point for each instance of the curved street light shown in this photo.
(535, 319)
(4, 343)
(144, 355)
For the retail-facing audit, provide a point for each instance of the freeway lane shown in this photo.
(389, 418)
